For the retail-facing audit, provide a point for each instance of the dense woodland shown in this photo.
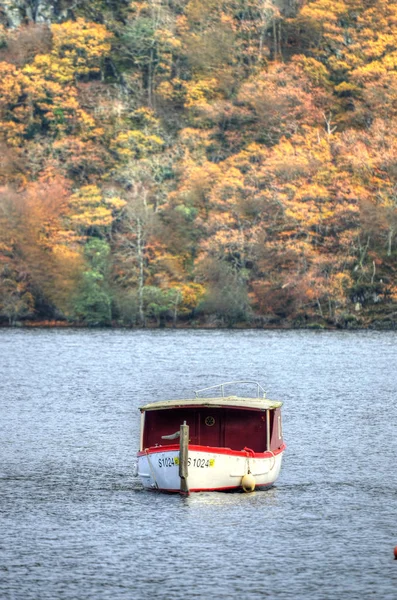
(200, 163)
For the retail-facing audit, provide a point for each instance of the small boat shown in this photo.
(216, 443)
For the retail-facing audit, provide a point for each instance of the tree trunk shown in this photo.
(390, 241)
(177, 299)
(141, 275)
(275, 46)
(320, 309)
(150, 80)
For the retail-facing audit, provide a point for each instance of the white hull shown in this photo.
(207, 470)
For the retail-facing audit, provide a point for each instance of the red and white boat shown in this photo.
(217, 443)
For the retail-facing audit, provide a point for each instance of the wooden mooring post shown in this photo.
(183, 457)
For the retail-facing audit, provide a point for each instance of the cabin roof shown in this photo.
(220, 402)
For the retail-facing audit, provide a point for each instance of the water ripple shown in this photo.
(76, 524)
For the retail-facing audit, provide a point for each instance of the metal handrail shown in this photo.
(222, 386)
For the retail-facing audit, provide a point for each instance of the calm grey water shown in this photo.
(75, 524)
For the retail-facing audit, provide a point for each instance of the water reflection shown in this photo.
(239, 499)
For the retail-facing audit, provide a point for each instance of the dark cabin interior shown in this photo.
(235, 428)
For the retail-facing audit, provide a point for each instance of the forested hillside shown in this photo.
(198, 162)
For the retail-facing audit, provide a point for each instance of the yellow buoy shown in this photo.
(248, 483)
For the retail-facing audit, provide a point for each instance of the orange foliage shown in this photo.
(213, 163)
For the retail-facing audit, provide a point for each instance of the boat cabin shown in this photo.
(231, 422)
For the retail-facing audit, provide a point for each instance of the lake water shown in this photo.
(76, 525)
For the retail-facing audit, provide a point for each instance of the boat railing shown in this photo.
(221, 386)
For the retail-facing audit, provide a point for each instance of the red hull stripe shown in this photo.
(213, 450)
(218, 489)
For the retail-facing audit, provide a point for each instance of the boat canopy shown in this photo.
(220, 402)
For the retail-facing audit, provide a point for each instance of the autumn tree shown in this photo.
(131, 252)
(228, 162)
(38, 251)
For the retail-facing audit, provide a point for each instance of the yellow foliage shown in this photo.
(66, 252)
(339, 284)
(312, 191)
(115, 202)
(198, 93)
(192, 294)
(48, 67)
(81, 44)
(166, 90)
(198, 181)
(12, 132)
(228, 187)
(314, 69)
(136, 144)
(43, 90)
(90, 209)
(145, 116)
(168, 39)
(10, 85)
(195, 141)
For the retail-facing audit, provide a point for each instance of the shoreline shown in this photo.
(376, 325)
